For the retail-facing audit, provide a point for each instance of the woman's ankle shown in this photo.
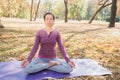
(53, 63)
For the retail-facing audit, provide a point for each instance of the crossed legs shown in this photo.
(53, 64)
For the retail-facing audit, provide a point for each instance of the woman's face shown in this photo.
(49, 21)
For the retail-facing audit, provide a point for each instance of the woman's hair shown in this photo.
(49, 13)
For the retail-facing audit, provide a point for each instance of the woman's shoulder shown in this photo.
(56, 30)
(39, 32)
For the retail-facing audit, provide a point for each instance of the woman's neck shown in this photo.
(49, 28)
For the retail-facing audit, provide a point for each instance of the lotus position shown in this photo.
(46, 40)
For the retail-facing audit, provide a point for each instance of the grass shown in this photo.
(95, 42)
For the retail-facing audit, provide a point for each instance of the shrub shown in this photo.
(117, 19)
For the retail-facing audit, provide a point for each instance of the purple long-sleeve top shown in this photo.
(47, 43)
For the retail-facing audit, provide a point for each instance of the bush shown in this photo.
(108, 19)
(117, 19)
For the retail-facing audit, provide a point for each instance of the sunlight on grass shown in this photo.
(100, 45)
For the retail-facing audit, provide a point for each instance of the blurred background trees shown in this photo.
(14, 8)
(63, 9)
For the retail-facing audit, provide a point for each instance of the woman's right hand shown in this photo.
(24, 63)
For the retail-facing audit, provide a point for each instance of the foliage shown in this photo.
(117, 19)
(45, 7)
(89, 12)
(14, 8)
(59, 9)
(94, 6)
(77, 10)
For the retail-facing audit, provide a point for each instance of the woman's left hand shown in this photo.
(72, 64)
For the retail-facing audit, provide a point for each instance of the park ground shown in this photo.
(81, 40)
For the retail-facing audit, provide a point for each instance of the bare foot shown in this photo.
(53, 63)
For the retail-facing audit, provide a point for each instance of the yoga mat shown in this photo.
(12, 71)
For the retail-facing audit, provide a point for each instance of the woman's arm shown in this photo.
(61, 47)
(35, 47)
(63, 52)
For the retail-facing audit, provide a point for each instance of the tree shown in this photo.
(36, 12)
(66, 10)
(103, 5)
(31, 11)
(113, 14)
(58, 9)
(89, 9)
(9, 8)
(77, 9)
(118, 8)
(14, 8)
(22, 9)
(47, 5)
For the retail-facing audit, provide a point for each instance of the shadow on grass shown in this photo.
(17, 32)
(75, 33)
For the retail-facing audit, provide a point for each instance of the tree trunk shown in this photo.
(1, 26)
(31, 11)
(37, 10)
(113, 14)
(9, 8)
(66, 10)
(103, 6)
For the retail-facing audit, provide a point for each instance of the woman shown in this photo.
(47, 58)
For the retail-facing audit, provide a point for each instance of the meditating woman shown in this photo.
(47, 58)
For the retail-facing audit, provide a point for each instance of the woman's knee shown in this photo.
(30, 70)
(68, 69)
(36, 67)
(27, 69)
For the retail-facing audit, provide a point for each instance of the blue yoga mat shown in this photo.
(12, 71)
